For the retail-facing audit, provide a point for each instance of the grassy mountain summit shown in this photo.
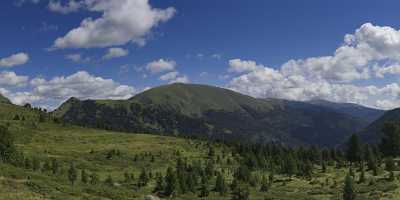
(194, 100)
(212, 112)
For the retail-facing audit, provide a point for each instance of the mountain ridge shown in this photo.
(213, 112)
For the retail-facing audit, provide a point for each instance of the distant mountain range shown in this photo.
(212, 112)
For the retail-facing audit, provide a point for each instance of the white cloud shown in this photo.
(10, 79)
(70, 6)
(180, 79)
(14, 60)
(161, 65)
(115, 53)
(240, 66)
(169, 76)
(81, 85)
(381, 71)
(122, 21)
(334, 77)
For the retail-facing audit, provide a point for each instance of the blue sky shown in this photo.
(275, 48)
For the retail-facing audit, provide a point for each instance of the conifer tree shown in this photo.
(389, 164)
(241, 193)
(7, 147)
(348, 190)
(264, 185)
(94, 179)
(390, 144)
(109, 181)
(143, 178)
(72, 174)
(362, 175)
(204, 191)
(84, 177)
(171, 183)
(220, 185)
(46, 166)
(36, 164)
(391, 176)
(27, 163)
(54, 166)
(354, 149)
(160, 185)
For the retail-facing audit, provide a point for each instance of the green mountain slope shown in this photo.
(373, 132)
(4, 100)
(194, 100)
(355, 110)
(212, 112)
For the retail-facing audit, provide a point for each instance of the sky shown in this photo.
(341, 51)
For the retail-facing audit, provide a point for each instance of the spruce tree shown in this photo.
(220, 185)
(54, 166)
(143, 178)
(109, 181)
(390, 144)
(72, 174)
(7, 147)
(94, 179)
(204, 191)
(348, 190)
(264, 185)
(241, 193)
(36, 164)
(171, 183)
(354, 149)
(160, 186)
(362, 176)
(389, 164)
(84, 177)
(391, 176)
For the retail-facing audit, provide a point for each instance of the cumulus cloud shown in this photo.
(334, 77)
(169, 76)
(50, 93)
(115, 53)
(14, 60)
(180, 79)
(161, 65)
(81, 85)
(240, 66)
(381, 71)
(121, 22)
(10, 79)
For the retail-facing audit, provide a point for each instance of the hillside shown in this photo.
(114, 164)
(373, 132)
(4, 100)
(355, 110)
(212, 112)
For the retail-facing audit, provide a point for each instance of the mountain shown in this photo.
(212, 112)
(373, 132)
(355, 110)
(4, 100)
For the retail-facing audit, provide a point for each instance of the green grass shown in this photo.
(88, 149)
